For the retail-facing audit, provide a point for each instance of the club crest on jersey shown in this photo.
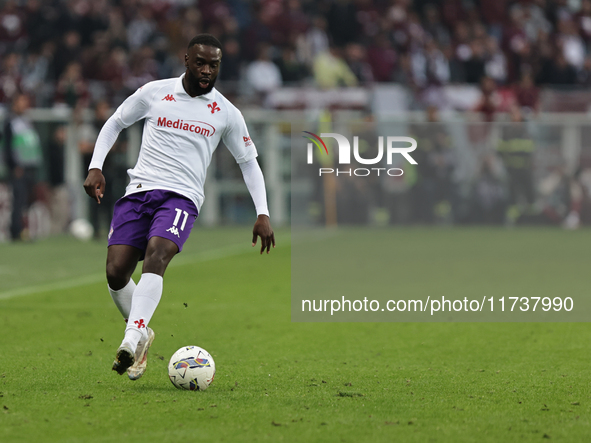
(169, 98)
(174, 230)
(214, 107)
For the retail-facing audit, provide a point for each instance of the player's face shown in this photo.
(203, 65)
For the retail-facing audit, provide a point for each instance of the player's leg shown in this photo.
(172, 222)
(127, 242)
(170, 228)
(121, 262)
(159, 253)
(148, 292)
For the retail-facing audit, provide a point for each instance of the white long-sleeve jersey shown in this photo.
(180, 135)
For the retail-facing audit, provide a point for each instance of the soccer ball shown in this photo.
(191, 368)
(81, 229)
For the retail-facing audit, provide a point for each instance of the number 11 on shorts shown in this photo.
(178, 216)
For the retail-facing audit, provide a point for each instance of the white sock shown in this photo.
(145, 299)
(122, 298)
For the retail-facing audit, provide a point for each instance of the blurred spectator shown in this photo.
(12, 25)
(56, 156)
(515, 42)
(38, 24)
(257, 33)
(369, 14)
(292, 71)
(488, 194)
(59, 206)
(555, 192)
(331, 70)
(262, 75)
(430, 67)
(561, 73)
(494, 14)
(116, 33)
(523, 60)
(143, 69)
(516, 149)
(215, 11)
(342, 22)
(313, 42)
(35, 70)
(558, 10)
(474, 65)
(571, 43)
(545, 68)
(583, 20)
(403, 74)
(72, 90)
(356, 58)
(434, 27)
(24, 158)
(5, 209)
(10, 78)
(141, 28)
(230, 67)
(174, 65)
(462, 51)
(532, 19)
(527, 95)
(489, 101)
(381, 56)
(584, 77)
(92, 20)
(352, 202)
(495, 65)
(114, 68)
(452, 12)
(402, 25)
(67, 52)
(433, 191)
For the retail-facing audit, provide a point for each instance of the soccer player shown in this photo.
(185, 119)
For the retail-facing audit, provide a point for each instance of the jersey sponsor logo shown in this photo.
(187, 125)
(247, 141)
(214, 107)
(174, 230)
(169, 98)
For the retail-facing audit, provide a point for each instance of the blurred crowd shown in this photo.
(82, 54)
(73, 52)
(511, 173)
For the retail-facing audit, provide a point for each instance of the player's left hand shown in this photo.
(262, 228)
(94, 185)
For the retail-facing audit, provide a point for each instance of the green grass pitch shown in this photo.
(277, 380)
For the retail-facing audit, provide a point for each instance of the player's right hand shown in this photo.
(94, 185)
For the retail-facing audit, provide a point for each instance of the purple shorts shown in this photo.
(140, 216)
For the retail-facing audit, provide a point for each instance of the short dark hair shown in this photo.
(205, 39)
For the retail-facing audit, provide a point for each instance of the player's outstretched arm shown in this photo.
(94, 185)
(262, 228)
(255, 182)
